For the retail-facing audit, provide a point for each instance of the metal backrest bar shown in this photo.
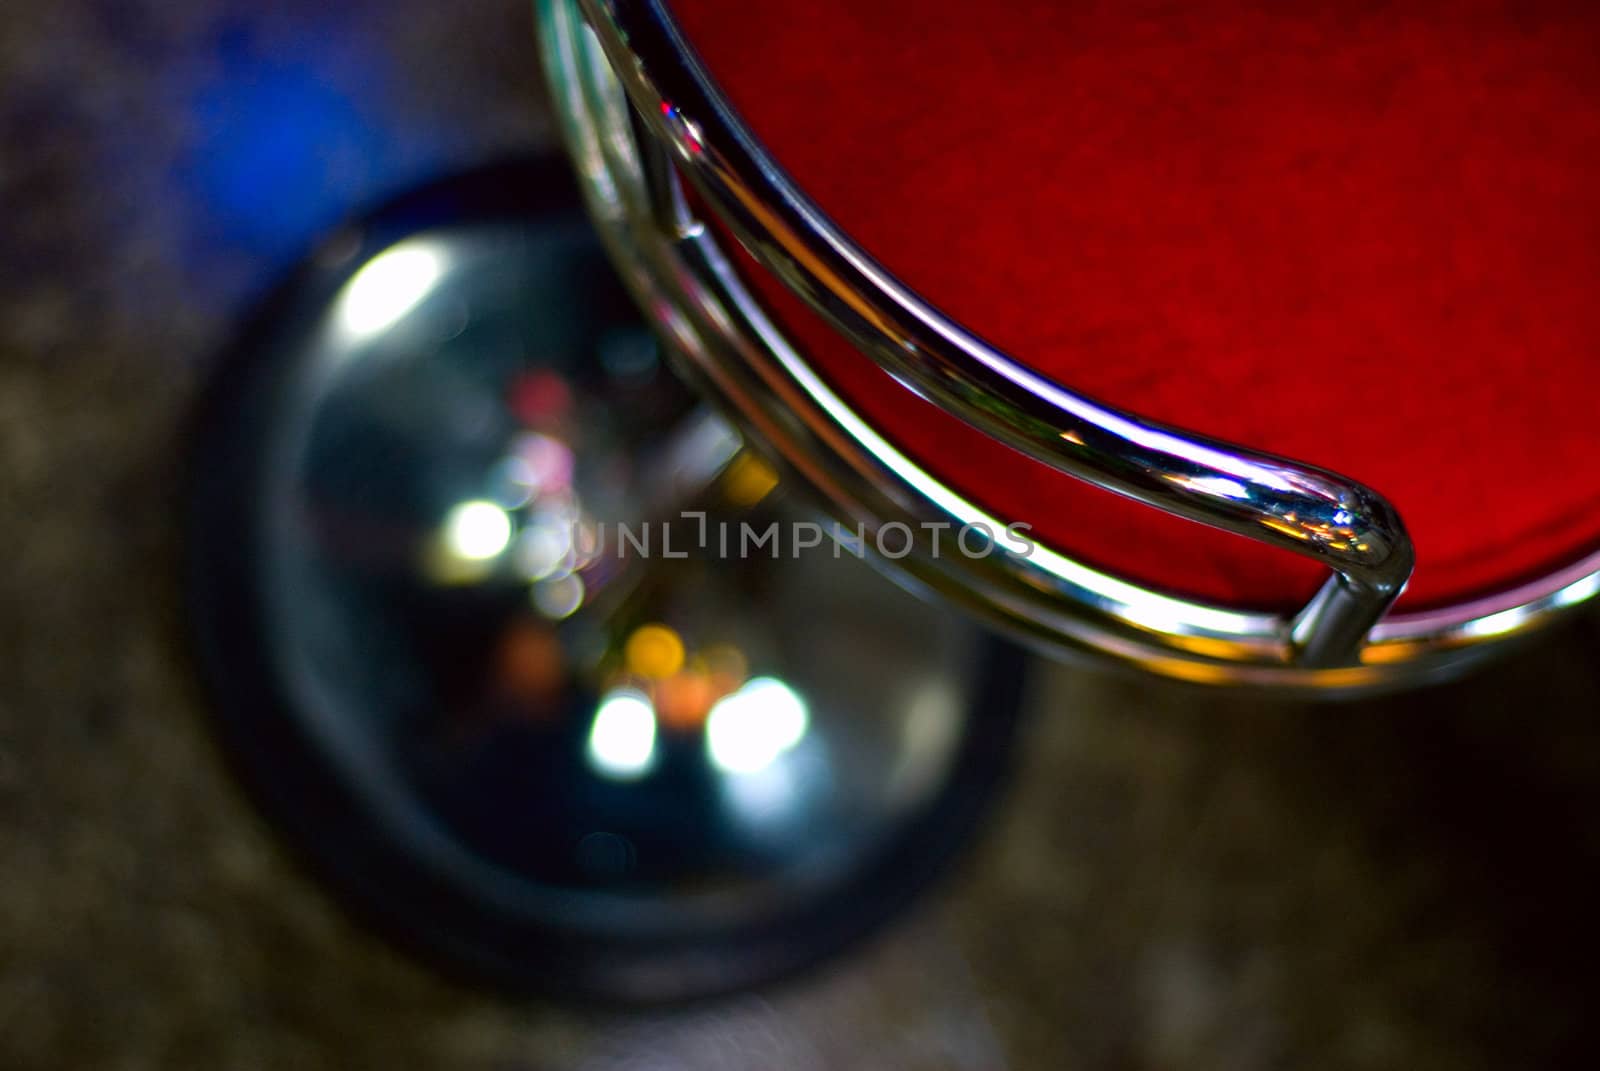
(722, 339)
(1336, 521)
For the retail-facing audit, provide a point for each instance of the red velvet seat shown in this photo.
(1359, 237)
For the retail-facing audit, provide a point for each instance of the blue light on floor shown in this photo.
(281, 154)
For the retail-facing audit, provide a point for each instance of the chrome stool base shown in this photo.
(500, 726)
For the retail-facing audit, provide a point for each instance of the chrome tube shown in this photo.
(733, 351)
(1336, 521)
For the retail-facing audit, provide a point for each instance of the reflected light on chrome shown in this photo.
(389, 286)
(559, 597)
(654, 651)
(748, 730)
(1221, 486)
(477, 531)
(929, 734)
(1581, 591)
(622, 740)
(547, 463)
(1500, 624)
(545, 545)
(772, 800)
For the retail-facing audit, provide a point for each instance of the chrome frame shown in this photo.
(638, 109)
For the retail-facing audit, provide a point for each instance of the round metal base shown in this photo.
(542, 671)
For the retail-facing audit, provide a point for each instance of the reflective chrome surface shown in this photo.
(641, 766)
(1341, 640)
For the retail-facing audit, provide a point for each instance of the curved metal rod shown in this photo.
(1310, 511)
(729, 349)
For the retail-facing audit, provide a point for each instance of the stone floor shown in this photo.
(1177, 879)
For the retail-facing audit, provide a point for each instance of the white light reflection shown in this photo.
(1577, 592)
(512, 482)
(928, 737)
(748, 730)
(772, 799)
(622, 740)
(389, 286)
(477, 531)
(544, 547)
(559, 597)
(1496, 624)
(1220, 485)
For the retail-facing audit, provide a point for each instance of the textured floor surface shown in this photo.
(1176, 879)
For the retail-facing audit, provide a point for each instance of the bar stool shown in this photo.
(1243, 346)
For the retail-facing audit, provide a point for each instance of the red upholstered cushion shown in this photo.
(1361, 235)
